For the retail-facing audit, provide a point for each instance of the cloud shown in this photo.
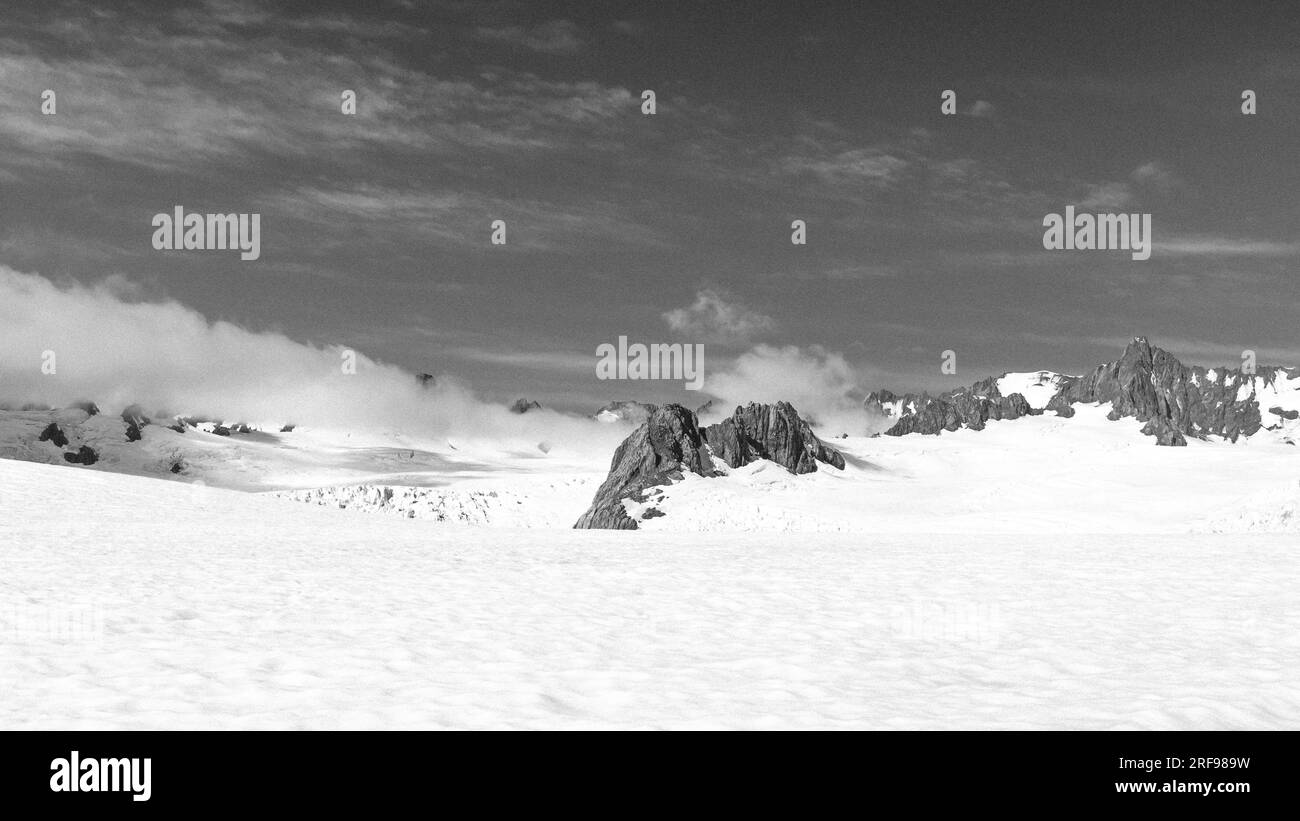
(169, 358)
(821, 384)
(557, 37)
(855, 166)
(714, 318)
(981, 109)
(1148, 177)
(1224, 247)
(1107, 196)
(1155, 176)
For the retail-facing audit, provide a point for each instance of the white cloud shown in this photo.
(714, 318)
(821, 385)
(559, 37)
(169, 358)
(1224, 247)
(1107, 196)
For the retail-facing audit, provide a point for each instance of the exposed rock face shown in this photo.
(135, 420)
(670, 443)
(1146, 383)
(624, 409)
(86, 405)
(1060, 405)
(773, 432)
(967, 407)
(425, 380)
(86, 455)
(53, 433)
(221, 430)
(525, 405)
(662, 450)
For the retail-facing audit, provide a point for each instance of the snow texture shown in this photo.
(135, 603)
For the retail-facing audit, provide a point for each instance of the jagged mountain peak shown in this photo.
(1145, 382)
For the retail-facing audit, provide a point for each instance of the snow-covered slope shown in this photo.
(1040, 474)
(134, 603)
(1038, 387)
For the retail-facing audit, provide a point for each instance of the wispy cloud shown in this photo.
(1224, 247)
(556, 37)
(713, 317)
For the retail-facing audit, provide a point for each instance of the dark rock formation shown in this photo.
(426, 380)
(84, 456)
(968, 407)
(773, 432)
(221, 430)
(670, 443)
(1164, 434)
(135, 420)
(525, 405)
(89, 407)
(660, 451)
(1060, 405)
(703, 409)
(624, 409)
(240, 427)
(287, 428)
(53, 433)
(1148, 383)
(1285, 414)
(1145, 383)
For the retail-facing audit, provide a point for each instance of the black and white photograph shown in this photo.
(651, 366)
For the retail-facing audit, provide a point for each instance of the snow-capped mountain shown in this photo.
(1173, 400)
(1017, 453)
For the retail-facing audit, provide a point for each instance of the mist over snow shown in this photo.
(821, 384)
(170, 359)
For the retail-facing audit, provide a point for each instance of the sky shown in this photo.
(924, 229)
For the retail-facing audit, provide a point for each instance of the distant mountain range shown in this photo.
(1176, 401)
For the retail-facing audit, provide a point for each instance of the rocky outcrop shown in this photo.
(969, 407)
(1151, 385)
(1060, 406)
(525, 405)
(426, 380)
(85, 455)
(1175, 401)
(135, 420)
(53, 433)
(86, 405)
(772, 432)
(670, 444)
(663, 449)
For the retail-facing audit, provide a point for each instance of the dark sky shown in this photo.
(924, 230)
